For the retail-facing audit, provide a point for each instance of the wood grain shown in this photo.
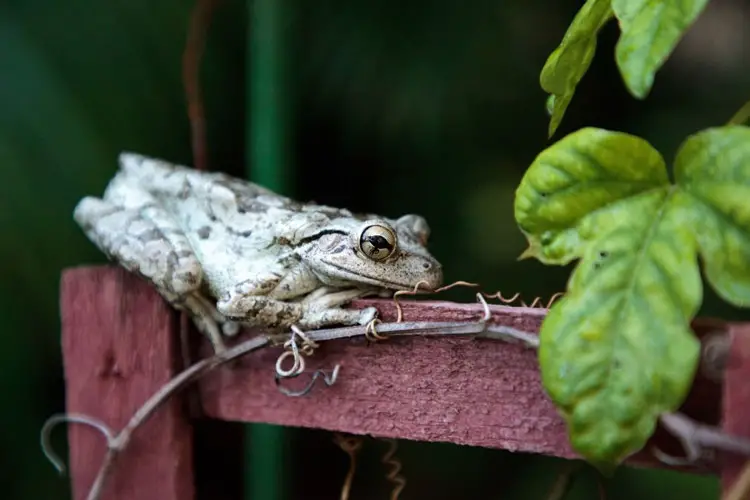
(119, 341)
(460, 390)
(457, 390)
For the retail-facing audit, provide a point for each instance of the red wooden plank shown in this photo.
(736, 401)
(459, 390)
(119, 346)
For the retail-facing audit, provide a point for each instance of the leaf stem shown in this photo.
(200, 19)
(742, 116)
(696, 437)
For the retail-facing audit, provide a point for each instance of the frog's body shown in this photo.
(232, 252)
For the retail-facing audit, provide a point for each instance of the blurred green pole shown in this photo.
(267, 163)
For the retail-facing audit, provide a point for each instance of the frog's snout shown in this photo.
(432, 277)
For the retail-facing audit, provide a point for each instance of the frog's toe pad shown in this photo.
(230, 328)
(366, 315)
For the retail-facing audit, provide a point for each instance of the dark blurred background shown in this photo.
(423, 106)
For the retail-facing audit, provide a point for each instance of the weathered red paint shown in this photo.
(119, 344)
(736, 401)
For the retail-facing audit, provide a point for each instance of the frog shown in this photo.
(234, 254)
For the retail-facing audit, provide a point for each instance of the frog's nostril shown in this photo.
(426, 265)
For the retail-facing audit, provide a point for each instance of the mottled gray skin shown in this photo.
(234, 253)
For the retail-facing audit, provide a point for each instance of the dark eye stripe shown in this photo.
(319, 235)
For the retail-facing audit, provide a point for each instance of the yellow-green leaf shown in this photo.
(617, 350)
(650, 31)
(569, 62)
(584, 172)
(713, 167)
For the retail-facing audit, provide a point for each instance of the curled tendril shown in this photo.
(393, 475)
(371, 333)
(294, 350)
(327, 380)
(499, 296)
(76, 419)
(536, 303)
(298, 365)
(415, 291)
(487, 313)
(297, 368)
(351, 446)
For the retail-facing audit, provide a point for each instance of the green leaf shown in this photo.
(650, 31)
(617, 350)
(582, 173)
(569, 62)
(713, 166)
(613, 363)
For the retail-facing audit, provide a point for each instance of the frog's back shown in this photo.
(185, 192)
(164, 180)
(181, 188)
(230, 223)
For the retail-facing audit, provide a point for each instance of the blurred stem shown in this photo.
(742, 116)
(200, 19)
(267, 164)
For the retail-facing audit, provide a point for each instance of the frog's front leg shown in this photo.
(317, 310)
(260, 310)
(323, 310)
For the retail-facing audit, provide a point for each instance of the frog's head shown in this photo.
(380, 252)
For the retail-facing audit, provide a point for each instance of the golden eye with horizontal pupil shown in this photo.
(377, 242)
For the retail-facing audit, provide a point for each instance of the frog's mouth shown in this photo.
(394, 285)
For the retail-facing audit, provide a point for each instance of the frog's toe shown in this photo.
(230, 305)
(367, 314)
(230, 328)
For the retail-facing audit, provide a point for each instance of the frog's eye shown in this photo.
(377, 242)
